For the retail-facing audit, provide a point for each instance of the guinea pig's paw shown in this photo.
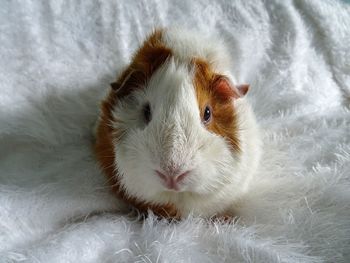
(224, 218)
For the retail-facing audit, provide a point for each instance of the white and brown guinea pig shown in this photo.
(176, 135)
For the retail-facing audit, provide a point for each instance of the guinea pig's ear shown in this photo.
(243, 89)
(225, 89)
(114, 85)
(129, 80)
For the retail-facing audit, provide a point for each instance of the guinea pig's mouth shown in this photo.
(172, 183)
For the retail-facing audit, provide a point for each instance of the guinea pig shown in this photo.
(176, 134)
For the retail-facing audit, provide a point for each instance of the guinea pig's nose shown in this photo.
(182, 176)
(172, 182)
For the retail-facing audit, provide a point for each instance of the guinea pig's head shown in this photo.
(173, 120)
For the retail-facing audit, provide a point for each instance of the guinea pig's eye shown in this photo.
(207, 114)
(147, 113)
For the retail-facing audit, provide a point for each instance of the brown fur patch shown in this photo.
(147, 59)
(210, 92)
(152, 54)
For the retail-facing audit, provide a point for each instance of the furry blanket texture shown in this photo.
(57, 59)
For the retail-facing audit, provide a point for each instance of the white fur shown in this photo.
(177, 137)
(187, 44)
(57, 60)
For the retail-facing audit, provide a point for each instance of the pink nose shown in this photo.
(172, 182)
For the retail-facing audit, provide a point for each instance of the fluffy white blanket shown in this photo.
(56, 61)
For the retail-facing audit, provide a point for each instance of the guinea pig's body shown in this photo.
(175, 134)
